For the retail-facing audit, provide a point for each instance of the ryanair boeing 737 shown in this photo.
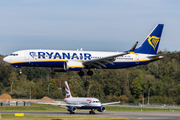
(64, 60)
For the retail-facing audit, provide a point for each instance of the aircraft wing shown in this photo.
(110, 103)
(105, 60)
(59, 104)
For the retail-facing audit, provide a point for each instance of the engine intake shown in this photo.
(101, 109)
(72, 109)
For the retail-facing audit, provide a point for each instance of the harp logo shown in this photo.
(32, 54)
(153, 41)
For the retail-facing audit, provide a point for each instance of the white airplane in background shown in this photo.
(66, 60)
(74, 103)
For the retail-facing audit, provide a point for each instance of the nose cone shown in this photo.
(6, 59)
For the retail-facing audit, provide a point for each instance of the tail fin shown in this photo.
(151, 43)
(68, 93)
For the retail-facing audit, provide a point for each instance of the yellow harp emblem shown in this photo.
(153, 41)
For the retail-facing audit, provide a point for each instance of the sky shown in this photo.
(94, 25)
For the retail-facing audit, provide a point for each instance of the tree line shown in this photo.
(161, 78)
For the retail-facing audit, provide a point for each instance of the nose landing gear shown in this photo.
(20, 71)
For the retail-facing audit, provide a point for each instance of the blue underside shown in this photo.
(89, 107)
(41, 64)
(116, 65)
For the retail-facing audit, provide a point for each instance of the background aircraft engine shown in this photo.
(72, 109)
(101, 109)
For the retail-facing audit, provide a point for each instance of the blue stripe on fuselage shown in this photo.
(41, 64)
(117, 64)
(89, 107)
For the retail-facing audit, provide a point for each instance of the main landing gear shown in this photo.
(89, 72)
(92, 111)
(81, 73)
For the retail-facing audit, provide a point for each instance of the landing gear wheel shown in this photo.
(81, 73)
(91, 112)
(90, 73)
(71, 112)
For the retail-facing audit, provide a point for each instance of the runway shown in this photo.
(133, 115)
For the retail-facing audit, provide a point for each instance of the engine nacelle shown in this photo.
(74, 65)
(72, 109)
(69, 65)
(60, 69)
(101, 109)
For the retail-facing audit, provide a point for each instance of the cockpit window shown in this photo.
(13, 54)
(95, 101)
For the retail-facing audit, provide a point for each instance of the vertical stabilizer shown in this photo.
(67, 90)
(151, 43)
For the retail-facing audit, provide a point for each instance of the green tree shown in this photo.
(137, 86)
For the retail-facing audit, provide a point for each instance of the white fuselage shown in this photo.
(56, 58)
(85, 102)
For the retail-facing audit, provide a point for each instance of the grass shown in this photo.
(137, 109)
(43, 107)
(33, 107)
(56, 117)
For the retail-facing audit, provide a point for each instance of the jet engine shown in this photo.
(74, 65)
(101, 109)
(60, 69)
(69, 65)
(72, 109)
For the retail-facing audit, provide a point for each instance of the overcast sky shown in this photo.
(96, 25)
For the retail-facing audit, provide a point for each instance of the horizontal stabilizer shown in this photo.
(160, 55)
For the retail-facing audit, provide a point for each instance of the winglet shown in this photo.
(133, 48)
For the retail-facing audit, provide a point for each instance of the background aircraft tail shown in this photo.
(67, 90)
(151, 43)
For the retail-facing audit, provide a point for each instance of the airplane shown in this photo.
(67, 60)
(74, 103)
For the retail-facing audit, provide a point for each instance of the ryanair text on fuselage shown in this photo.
(63, 55)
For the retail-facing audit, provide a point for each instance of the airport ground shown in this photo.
(47, 112)
(63, 115)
